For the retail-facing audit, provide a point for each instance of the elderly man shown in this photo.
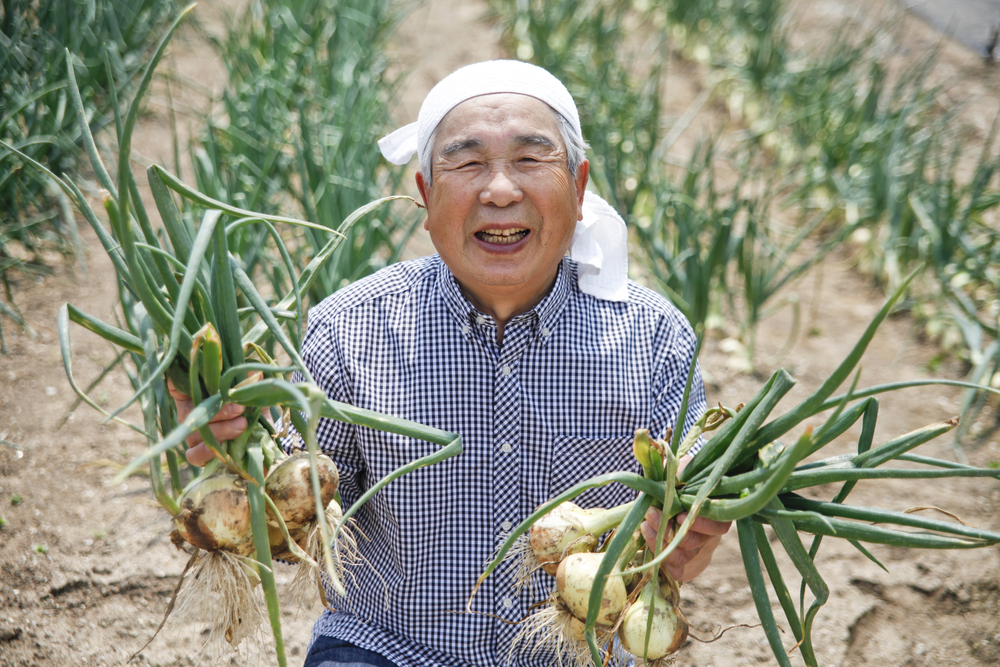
(545, 364)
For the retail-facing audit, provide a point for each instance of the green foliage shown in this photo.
(846, 146)
(180, 289)
(696, 233)
(16, 499)
(307, 100)
(879, 147)
(37, 117)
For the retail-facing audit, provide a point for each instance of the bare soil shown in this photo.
(87, 570)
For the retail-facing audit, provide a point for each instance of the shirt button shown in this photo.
(506, 525)
(480, 319)
(545, 331)
(506, 370)
(505, 448)
(465, 328)
(508, 603)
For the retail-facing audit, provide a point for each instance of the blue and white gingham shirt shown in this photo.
(557, 403)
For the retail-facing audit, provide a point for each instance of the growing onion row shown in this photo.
(180, 291)
(613, 594)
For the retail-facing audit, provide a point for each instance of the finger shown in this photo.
(199, 455)
(194, 439)
(693, 541)
(649, 534)
(228, 411)
(677, 563)
(701, 560)
(653, 516)
(706, 526)
(228, 429)
(182, 402)
(176, 393)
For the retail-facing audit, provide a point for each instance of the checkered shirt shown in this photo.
(557, 403)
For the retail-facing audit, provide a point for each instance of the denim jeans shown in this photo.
(333, 652)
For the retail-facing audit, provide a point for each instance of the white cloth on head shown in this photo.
(600, 240)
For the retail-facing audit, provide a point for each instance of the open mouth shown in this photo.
(502, 236)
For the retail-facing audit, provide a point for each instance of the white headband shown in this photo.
(600, 240)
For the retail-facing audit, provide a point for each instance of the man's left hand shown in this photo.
(694, 553)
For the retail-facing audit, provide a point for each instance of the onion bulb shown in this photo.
(555, 532)
(570, 529)
(574, 580)
(288, 484)
(667, 633)
(215, 514)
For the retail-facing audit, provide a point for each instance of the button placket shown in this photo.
(507, 401)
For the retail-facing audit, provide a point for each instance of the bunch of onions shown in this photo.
(598, 588)
(180, 288)
(745, 474)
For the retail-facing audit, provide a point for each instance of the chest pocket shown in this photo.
(577, 458)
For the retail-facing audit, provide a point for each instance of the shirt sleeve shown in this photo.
(338, 440)
(675, 345)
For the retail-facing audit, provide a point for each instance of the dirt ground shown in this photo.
(86, 570)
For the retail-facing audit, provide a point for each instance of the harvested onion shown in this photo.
(215, 514)
(289, 485)
(667, 632)
(574, 579)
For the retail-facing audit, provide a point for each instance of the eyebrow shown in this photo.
(459, 146)
(472, 144)
(536, 140)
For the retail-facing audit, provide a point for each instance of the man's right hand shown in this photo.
(226, 425)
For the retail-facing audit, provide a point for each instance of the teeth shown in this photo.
(502, 236)
(502, 232)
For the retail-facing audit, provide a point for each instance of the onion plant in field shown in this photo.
(838, 146)
(702, 237)
(885, 153)
(37, 115)
(180, 326)
(307, 99)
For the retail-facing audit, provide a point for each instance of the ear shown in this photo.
(582, 175)
(422, 186)
(425, 192)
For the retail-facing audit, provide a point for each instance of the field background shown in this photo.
(100, 589)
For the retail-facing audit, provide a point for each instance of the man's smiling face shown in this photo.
(502, 205)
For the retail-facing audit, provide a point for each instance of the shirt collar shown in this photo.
(544, 315)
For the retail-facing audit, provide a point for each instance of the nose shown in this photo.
(500, 188)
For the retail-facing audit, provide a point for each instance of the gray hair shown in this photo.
(576, 148)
